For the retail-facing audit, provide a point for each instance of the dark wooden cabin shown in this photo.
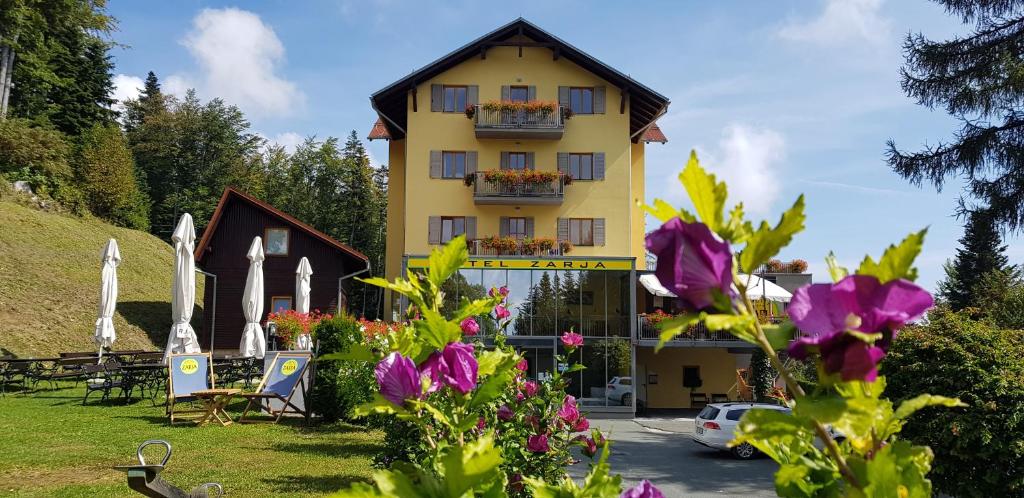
(238, 218)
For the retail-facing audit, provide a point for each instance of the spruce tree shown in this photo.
(151, 102)
(978, 80)
(981, 252)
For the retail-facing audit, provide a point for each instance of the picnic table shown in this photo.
(141, 375)
(214, 401)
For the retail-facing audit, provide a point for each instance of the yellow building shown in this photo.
(535, 151)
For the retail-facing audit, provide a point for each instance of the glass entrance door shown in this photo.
(539, 353)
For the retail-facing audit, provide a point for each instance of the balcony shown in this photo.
(518, 122)
(697, 335)
(538, 247)
(514, 187)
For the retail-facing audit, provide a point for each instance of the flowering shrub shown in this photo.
(520, 176)
(377, 328)
(846, 327)
(483, 427)
(536, 246)
(291, 324)
(532, 106)
(503, 245)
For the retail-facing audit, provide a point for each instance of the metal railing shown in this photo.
(477, 248)
(698, 332)
(554, 189)
(513, 119)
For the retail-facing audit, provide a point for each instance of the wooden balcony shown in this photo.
(518, 125)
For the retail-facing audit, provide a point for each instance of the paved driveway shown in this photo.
(662, 451)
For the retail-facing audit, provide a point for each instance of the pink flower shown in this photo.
(520, 396)
(470, 327)
(643, 490)
(522, 365)
(588, 444)
(503, 292)
(480, 424)
(538, 443)
(455, 366)
(397, 378)
(505, 413)
(572, 340)
(530, 388)
(581, 424)
(569, 412)
(501, 313)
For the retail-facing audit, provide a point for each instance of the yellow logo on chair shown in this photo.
(189, 366)
(289, 367)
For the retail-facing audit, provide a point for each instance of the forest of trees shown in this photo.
(160, 156)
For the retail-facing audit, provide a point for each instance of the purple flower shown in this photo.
(537, 443)
(455, 366)
(481, 424)
(522, 365)
(398, 378)
(462, 366)
(581, 424)
(572, 340)
(588, 444)
(824, 312)
(569, 412)
(692, 262)
(501, 313)
(643, 490)
(505, 413)
(530, 388)
(470, 327)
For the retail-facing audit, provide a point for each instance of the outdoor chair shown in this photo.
(698, 400)
(719, 398)
(284, 375)
(187, 373)
(14, 373)
(103, 378)
(67, 368)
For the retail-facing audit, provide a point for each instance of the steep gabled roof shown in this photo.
(233, 194)
(646, 105)
(654, 134)
(379, 131)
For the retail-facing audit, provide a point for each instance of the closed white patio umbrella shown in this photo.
(104, 334)
(253, 343)
(182, 338)
(302, 289)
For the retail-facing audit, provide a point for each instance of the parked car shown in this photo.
(715, 426)
(620, 390)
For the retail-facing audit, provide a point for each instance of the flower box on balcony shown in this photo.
(532, 106)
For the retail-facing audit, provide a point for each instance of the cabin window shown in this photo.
(581, 100)
(581, 231)
(454, 164)
(454, 98)
(280, 303)
(275, 241)
(581, 166)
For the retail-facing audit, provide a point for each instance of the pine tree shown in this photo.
(151, 102)
(107, 177)
(981, 252)
(978, 80)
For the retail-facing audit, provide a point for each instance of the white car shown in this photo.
(715, 426)
(620, 390)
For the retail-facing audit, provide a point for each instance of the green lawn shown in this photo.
(51, 445)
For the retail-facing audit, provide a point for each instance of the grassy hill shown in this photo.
(50, 283)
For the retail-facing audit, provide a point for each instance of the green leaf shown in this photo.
(672, 327)
(737, 230)
(779, 335)
(835, 271)
(434, 330)
(916, 403)
(489, 361)
(467, 467)
(377, 405)
(662, 210)
(447, 260)
(742, 326)
(402, 286)
(491, 388)
(356, 352)
(392, 483)
(476, 307)
(897, 260)
(707, 194)
(360, 490)
(825, 409)
(766, 242)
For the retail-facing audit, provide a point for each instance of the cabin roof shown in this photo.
(231, 193)
(646, 105)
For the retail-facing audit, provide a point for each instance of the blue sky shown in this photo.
(780, 98)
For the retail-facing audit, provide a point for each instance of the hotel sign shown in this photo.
(538, 264)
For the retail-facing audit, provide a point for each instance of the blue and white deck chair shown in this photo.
(284, 375)
(187, 373)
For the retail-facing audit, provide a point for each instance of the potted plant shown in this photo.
(469, 180)
(565, 246)
(774, 266)
(798, 266)
(567, 112)
(470, 111)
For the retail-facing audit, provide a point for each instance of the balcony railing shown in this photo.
(518, 193)
(698, 333)
(518, 124)
(477, 248)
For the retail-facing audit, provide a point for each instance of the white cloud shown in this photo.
(176, 85)
(748, 160)
(126, 87)
(842, 21)
(238, 55)
(289, 140)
